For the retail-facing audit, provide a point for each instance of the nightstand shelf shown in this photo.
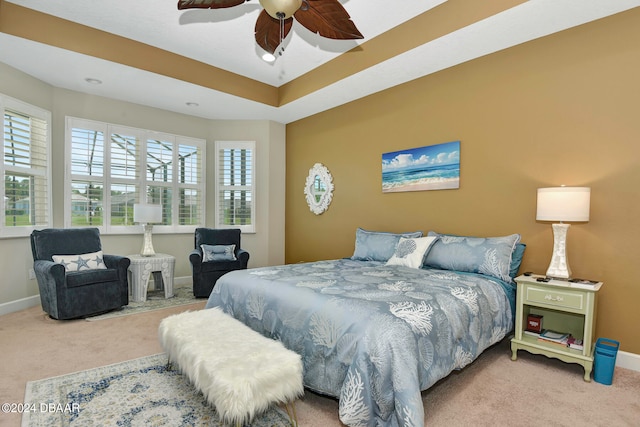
(570, 352)
(566, 307)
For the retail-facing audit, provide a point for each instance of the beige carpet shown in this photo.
(493, 391)
(182, 295)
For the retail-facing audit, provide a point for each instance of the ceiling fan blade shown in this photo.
(207, 4)
(327, 18)
(268, 31)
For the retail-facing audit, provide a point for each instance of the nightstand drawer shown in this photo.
(558, 298)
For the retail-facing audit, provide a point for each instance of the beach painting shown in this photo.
(434, 167)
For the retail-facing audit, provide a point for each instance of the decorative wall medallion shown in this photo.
(319, 188)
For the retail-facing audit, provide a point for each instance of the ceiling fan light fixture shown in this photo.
(268, 57)
(276, 8)
(326, 18)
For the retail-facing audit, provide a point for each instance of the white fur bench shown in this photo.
(239, 371)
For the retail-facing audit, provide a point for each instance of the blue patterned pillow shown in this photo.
(490, 256)
(377, 245)
(516, 259)
(218, 253)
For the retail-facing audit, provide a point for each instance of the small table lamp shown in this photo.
(562, 204)
(147, 215)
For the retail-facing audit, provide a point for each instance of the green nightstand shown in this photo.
(566, 307)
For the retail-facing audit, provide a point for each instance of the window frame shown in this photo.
(238, 145)
(8, 103)
(140, 181)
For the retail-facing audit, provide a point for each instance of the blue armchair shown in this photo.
(90, 290)
(206, 273)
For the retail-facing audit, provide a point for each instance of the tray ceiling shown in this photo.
(150, 53)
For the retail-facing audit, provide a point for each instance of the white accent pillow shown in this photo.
(92, 261)
(411, 252)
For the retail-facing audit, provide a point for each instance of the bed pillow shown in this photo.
(516, 259)
(490, 256)
(91, 261)
(214, 253)
(378, 245)
(411, 252)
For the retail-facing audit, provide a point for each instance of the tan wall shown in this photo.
(559, 110)
(266, 246)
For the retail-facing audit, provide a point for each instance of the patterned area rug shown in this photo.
(155, 301)
(139, 392)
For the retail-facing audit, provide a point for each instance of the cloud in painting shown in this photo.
(406, 160)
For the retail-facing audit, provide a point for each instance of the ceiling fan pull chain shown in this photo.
(281, 16)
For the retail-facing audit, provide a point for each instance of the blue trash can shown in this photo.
(605, 360)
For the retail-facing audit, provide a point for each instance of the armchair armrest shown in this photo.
(195, 257)
(46, 270)
(116, 261)
(119, 263)
(243, 256)
(50, 276)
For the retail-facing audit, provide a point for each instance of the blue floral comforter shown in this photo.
(371, 335)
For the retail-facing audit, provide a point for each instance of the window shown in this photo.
(235, 191)
(112, 167)
(26, 184)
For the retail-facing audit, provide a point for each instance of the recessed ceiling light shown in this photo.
(93, 81)
(192, 104)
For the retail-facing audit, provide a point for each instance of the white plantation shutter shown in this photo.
(190, 183)
(134, 166)
(25, 167)
(235, 190)
(124, 155)
(159, 166)
(87, 146)
(124, 175)
(87, 194)
(159, 160)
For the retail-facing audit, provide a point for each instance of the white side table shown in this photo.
(161, 265)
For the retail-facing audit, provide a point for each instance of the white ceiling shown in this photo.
(224, 38)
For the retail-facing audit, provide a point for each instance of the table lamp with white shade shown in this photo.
(147, 215)
(569, 204)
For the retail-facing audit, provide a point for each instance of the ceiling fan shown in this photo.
(328, 18)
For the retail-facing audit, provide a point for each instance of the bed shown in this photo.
(374, 332)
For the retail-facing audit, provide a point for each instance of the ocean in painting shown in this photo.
(435, 167)
(433, 178)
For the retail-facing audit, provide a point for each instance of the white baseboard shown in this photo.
(21, 304)
(28, 302)
(628, 360)
(182, 281)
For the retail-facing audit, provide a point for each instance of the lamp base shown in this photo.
(147, 244)
(559, 266)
